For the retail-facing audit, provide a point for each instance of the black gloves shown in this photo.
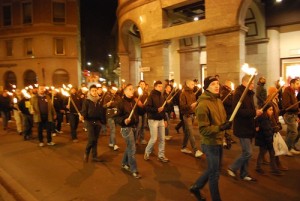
(228, 141)
(225, 126)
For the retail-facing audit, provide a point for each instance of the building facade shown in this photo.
(39, 42)
(190, 39)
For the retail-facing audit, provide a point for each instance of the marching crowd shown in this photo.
(133, 108)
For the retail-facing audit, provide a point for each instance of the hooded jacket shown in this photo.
(91, 109)
(210, 113)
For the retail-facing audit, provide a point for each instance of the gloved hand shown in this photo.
(227, 143)
(225, 126)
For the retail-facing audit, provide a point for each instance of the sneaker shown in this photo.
(41, 144)
(198, 153)
(231, 173)
(260, 171)
(196, 192)
(125, 167)
(75, 140)
(293, 151)
(116, 147)
(136, 175)
(111, 145)
(163, 159)
(143, 142)
(50, 143)
(248, 178)
(57, 131)
(186, 151)
(168, 137)
(146, 157)
(277, 172)
(53, 134)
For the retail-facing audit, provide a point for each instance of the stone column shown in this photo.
(273, 65)
(155, 55)
(124, 66)
(226, 53)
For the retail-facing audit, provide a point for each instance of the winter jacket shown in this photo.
(91, 111)
(169, 106)
(35, 110)
(125, 107)
(267, 128)
(261, 94)
(288, 99)
(210, 113)
(6, 104)
(155, 101)
(187, 97)
(78, 102)
(244, 123)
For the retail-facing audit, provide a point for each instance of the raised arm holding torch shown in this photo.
(232, 90)
(199, 88)
(167, 99)
(140, 92)
(252, 72)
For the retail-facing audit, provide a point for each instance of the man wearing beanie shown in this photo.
(211, 116)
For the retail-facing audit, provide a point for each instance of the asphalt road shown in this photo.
(58, 173)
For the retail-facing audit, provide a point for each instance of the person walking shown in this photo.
(188, 104)
(5, 108)
(140, 132)
(128, 128)
(24, 106)
(91, 114)
(261, 92)
(291, 115)
(157, 122)
(44, 114)
(211, 116)
(244, 129)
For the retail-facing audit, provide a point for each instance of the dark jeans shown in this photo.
(5, 118)
(74, 120)
(129, 154)
(44, 124)
(27, 125)
(214, 155)
(59, 120)
(273, 159)
(93, 130)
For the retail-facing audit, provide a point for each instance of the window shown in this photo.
(9, 47)
(27, 13)
(58, 12)
(60, 77)
(59, 44)
(6, 10)
(28, 46)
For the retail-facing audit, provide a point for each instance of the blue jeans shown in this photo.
(129, 154)
(214, 155)
(188, 132)
(167, 130)
(140, 132)
(112, 128)
(157, 130)
(242, 162)
(291, 134)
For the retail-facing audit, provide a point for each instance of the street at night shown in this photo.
(58, 173)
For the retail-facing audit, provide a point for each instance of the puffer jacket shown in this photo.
(244, 123)
(210, 113)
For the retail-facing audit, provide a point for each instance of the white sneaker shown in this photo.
(57, 131)
(53, 134)
(41, 144)
(116, 147)
(110, 145)
(168, 137)
(293, 151)
(186, 151)
(198, 153)
(50, 143)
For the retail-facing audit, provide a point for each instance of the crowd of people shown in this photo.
(133, 108)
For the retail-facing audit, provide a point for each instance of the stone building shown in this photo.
(39, 42)
(188, 39)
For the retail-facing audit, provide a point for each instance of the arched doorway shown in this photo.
(60, 76)
(9, 80)
(29, 77)
(131, 37)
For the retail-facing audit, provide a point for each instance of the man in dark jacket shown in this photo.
(244, 128)
(5, 108)
(157, 122)
(128, 128)
(291, 115)
(91, 114)
(58, 104)
(188, 104)
(24, 106)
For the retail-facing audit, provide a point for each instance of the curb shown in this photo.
(13, 188)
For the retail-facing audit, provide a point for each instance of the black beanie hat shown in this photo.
(209, 80)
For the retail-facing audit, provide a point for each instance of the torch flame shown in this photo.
(123, 80)
(199, 86)
(174, 85)
(114, 88)
(104, 89)
(15, 100)
(281, 82)
(180, 86)
(70, 86)
(140, 91)
(232, 86)
(248, 70)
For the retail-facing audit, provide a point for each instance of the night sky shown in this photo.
(97, 20)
